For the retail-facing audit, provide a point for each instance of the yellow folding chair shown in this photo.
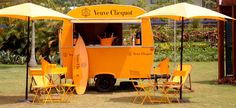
(138, 90)
(52, 70)
(173, 86)
(68, 88)
(162, 70)
(50, 82)
(41, 88)
(188, 69)
(143, 90)
(40, 85)
(147, 87)
(34, 71)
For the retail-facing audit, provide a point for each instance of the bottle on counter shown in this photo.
(138, 37)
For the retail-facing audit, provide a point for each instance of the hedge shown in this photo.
(192, 51)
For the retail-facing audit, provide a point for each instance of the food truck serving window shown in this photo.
(108, 34)
(94, 33)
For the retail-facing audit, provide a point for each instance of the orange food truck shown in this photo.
(105, 55)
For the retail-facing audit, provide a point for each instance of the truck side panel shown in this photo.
(123, 62)
(66, 47)
(147, 34)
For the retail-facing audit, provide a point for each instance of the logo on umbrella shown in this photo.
(86, 12)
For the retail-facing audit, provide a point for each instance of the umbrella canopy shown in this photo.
(23, 11)
(182, 11)
(30, 11)
(185, 10)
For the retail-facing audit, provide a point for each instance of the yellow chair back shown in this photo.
(163, 67)
(187, 68)
(41, 80)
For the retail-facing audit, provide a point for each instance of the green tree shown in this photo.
(141, 3)
(94, 2)
(211, 4)
(15, 34)
(46, 31)
(14, 37)
(162, 3)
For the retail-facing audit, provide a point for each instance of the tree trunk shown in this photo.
(32, 61)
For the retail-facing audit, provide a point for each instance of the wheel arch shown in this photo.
(112, 75)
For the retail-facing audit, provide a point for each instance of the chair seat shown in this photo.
(41, 86)
(176, 86)
(162, 76)
(171, 83)
(68, 85)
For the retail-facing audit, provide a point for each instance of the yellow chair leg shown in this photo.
(67, 92)
(48, 97)
(35, 95)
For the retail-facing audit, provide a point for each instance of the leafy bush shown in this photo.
(7, 57)
(162, 33)
(192, 51)
(165, 34)
(195, 23)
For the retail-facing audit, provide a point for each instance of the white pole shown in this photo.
(32, 62)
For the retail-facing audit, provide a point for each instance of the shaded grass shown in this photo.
(12, 80)
(207, 93)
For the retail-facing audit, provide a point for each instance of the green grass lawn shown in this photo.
(12, 80)
(207, 93)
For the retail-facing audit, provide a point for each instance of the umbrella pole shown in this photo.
(27, 65)
(27, 61)
(181, 56)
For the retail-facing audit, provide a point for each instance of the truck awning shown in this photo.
(107, 21)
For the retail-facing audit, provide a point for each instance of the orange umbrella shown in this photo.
(30, 11)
